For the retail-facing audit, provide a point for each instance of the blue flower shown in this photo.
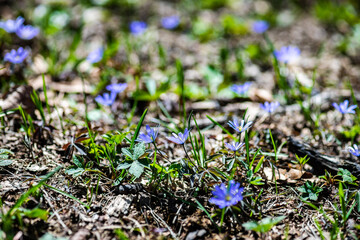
(107, 99)
(96, 55)
(287, 54)
(241, 89)
(27, 32)
(180, 138)
(235, 146)
(260, 26)
(170, 22)
(227, 196)
(344, 107)
(116, 87)
(137, 27)
(239, 127)
(10, 25)
(354, 151)
(149, 137)
(16, 56)
(270, 107)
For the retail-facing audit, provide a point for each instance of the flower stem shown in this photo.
(187, 155)
(222, 217)
(157, 150)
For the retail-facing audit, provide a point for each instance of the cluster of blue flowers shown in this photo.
(108, 99)
(25, 32)
(151, 135)
(139, 27)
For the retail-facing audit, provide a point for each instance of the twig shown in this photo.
(137, 225)
(55, 212)
(158, 218)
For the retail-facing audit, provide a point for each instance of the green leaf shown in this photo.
(139, 150)
(263, 225)
(33, 189)
(5, 152)
(258, 166)
(123, 166)
(4, 163)
(77, 162)
(75, 171)
(127, 152)
(138, 129)
(136, 169)
(36, 213)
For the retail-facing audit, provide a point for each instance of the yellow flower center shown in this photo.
(228, 198)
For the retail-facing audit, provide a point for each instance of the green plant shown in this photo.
(4, 157)
(264, 225)
(302, 161)
(340, 214)
(16, 212)
(310, 191)
(135, 162)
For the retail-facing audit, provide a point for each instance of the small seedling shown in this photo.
(264, 225)
(302, 161)
(310, 191)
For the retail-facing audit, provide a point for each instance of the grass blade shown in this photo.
(33, 189)
(138, 129)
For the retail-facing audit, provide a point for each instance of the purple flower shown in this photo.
(239, 127)
(170, 22)
(241, 89)
(27, 32)
(96, 55)
(137, 27)
(150, 136)
(344, 107)
(16, 56)
(107, 99)
(227, 196)
(180, 138)
(10, 25)
(235, 146)
(354, 151)
(260, 26)
(287, 54)
(270, 107)
(116, 87)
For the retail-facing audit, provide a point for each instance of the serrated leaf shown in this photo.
(136, 169)
(127, 152)
(139, 150)
(123, 166)
(4, 163)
